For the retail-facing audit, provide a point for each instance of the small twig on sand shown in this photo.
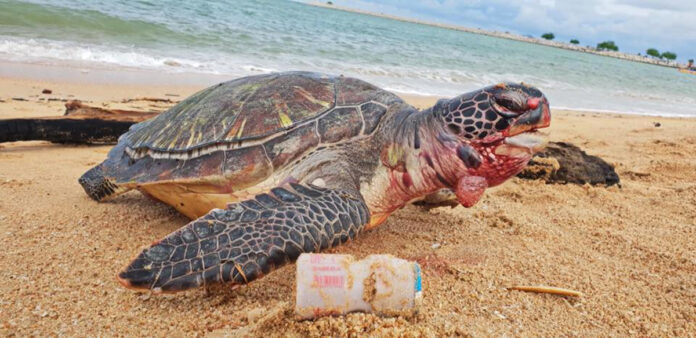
(151, 99)
(547, 289)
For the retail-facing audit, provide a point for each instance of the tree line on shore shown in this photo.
(611, 46)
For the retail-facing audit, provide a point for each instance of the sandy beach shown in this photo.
(629, 250)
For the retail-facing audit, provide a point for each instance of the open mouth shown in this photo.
(523, 137)
(523, 145)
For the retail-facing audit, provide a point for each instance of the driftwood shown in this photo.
(563, 163)
(80, 124)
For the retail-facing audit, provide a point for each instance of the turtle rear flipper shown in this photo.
(249, 239)
(98, 186)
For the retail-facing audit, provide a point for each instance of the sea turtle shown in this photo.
(274, 165)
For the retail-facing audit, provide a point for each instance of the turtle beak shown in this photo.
(538, 116)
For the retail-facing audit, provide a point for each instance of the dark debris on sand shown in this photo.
(564, 163)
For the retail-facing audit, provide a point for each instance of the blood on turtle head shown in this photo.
(494, 128)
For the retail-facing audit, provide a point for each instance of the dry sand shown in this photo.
(630, 250)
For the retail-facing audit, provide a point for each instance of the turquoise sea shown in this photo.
(236, 38)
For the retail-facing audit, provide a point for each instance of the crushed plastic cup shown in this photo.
(330, 284)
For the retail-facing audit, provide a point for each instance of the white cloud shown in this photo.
(634, 25)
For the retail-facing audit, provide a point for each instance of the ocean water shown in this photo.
(237, 38)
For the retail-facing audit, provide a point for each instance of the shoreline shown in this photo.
(509, 36)
(183, 82)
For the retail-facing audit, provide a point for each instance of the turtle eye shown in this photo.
(506, 102)
(509, 103)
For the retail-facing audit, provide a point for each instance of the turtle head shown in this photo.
(495, 113)
(493, 132)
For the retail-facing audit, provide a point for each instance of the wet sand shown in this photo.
(630, 250)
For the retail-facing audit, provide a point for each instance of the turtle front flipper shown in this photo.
(249, 239)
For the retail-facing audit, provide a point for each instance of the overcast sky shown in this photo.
(635, 25)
